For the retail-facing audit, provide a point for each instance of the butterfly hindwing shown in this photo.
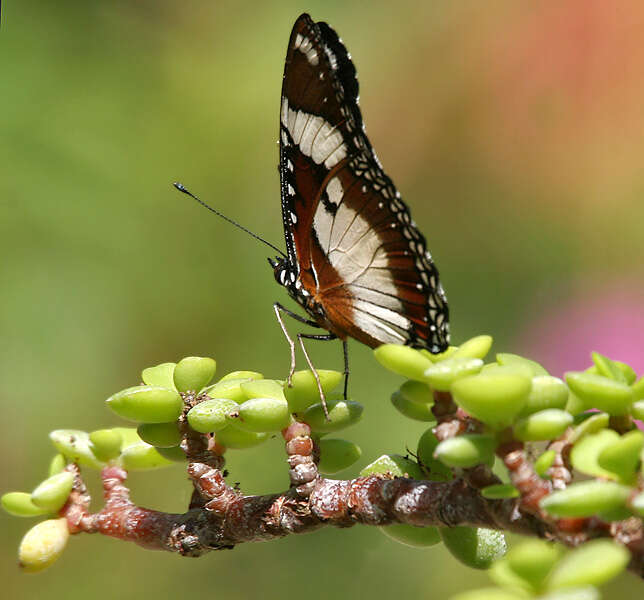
(349, 235)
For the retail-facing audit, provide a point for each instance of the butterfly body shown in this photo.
(355, 261)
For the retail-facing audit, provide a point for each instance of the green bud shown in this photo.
(500, 491)
(546, 392)
(435, 469)
(160, 376)
(476, 548)
(586, 498)
(193, 373)
(75, 445)
(241, 375)
(42, 545)
(585, 453)
(393, 464)
(52, 493)
(129, 435)
(506, 359)
(57, 464)
(20, 504)
(174, 454)
(596, 391)
(606, 367)
(403, 360)
(105, 444)
(409, 535)
(476, 347)
(443, 374)
(591, 423)
(623, 456)
(544, 462)
(304, 389)
(263, 388)
(493, 399)
(466, 450)
(337, 455)
(234, 437)
(262, 414)
(637, 410)
(147, 404)
(594, 563)
(210, 415)
(342, 414)
(419, 411)
(533, 560)
(161, 435)
(546, 424)
(142, 457)
(229, 389)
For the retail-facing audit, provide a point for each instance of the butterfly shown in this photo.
(355, 260)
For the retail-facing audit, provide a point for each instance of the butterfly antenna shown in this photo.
(183, 189)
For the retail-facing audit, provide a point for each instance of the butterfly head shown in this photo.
(283, 271)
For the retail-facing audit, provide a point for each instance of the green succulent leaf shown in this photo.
(500, 491)
(211, 415)
(160, 435)
(241, 375)
(236, 438)
(443, 374)
(161, 375)
(42, 545)
(623, 456)
(507, 359)
(263, 414)
(597, 391)
(476, 548)
(586, 498)
(533, 560)
(489, 594)
(75, 446)
(263, 388)
(585, 453)
(403, 360)
(57, 464)
(337, 454)
(105, 444)
(304, 390)
(229, 389)
(606, 367)
(546, 424)
(409, 535)
(466, 450)
(591, 423)
(544, 462)
(393, 464)
(147, 404)
(476, 347)
(142, 457)
(546, 392)
(342, 414)
(20, 504)
(193, 373)
(435, 469)
(410, 408)
(52, 493)
(493, 399)
(594, 563)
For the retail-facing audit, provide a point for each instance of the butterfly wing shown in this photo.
(356, 249)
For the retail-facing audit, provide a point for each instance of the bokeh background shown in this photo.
(515, 131)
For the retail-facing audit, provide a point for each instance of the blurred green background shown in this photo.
(514, 131)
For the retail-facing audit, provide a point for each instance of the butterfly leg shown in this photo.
(278, 308)
(345, 351)
(323, 338)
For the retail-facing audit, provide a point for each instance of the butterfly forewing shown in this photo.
(358, 255)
